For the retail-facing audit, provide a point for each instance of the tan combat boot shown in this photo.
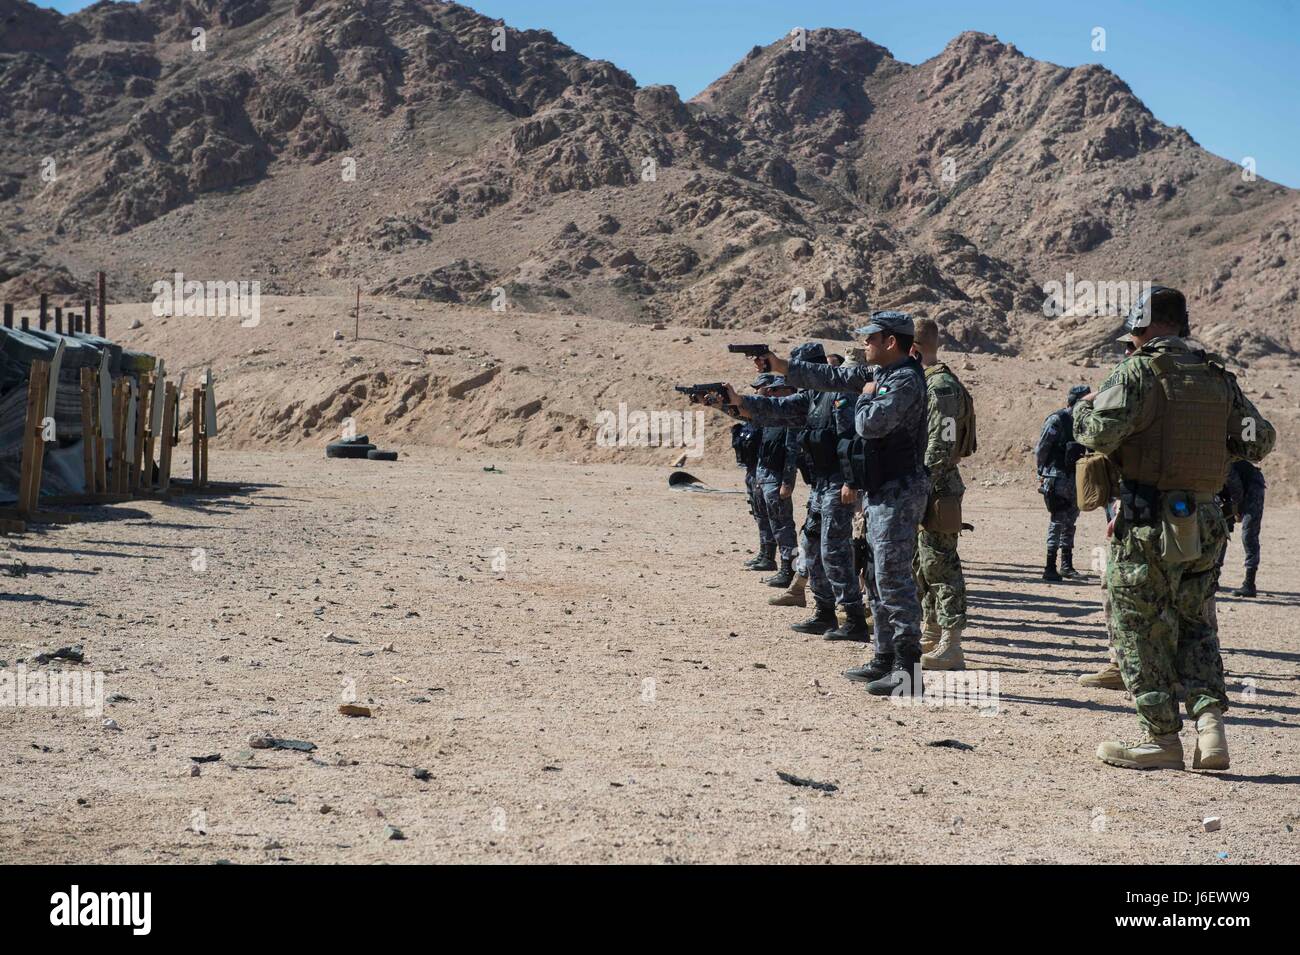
(1211, 742)
(1107, 678)
(793, 596)
(930, 635)
(1154, 752)
(947, 654)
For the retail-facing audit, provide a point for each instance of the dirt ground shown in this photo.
(576, 658)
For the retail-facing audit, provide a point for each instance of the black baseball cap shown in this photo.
(889, 322)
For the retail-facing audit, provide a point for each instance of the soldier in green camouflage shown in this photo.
(950, 424)
(1170, 420)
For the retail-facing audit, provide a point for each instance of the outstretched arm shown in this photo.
(820, 377)
(790, 410)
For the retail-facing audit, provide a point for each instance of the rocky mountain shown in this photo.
(418, 149)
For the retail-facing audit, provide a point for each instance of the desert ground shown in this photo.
(573, 656)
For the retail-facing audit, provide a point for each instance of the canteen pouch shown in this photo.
(943, 515)
(1180, 528)
(1095, 482)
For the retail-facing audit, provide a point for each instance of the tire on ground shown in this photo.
(340, 449)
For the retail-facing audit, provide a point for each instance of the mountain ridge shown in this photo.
(799, 189)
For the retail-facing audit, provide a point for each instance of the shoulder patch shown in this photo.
(1109, 399)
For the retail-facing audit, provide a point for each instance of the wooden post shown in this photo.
(119, 436)
(85, 318)
(58, 319)
(170, 407)
(88, 389)
(196, 428)
(149, 396)
(29, 481)
(103, 319)
(138, 458)
(9, 315)
(24, 323)
(44, 312)
(203, 442)
(356, 334)
(101, 444)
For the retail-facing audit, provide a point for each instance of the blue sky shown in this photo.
(1227, 72)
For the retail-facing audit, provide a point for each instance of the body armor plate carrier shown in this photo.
(1185, 448)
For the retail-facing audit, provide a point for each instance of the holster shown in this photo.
(1139, 503)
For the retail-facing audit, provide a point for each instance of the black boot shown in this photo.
(904, 679)
(1247, 589)
(873, 669)
(821, 621)
(765, 559)
(783, 577)
(854, 626)
(1049, 572)
(1067, 563)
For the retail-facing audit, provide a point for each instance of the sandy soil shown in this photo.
(574, 655)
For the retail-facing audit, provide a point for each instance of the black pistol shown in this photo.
(697, 393)
(751, 351)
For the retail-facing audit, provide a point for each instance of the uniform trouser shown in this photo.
(758, 507)
(1105, 599)
(893, 515)
(1252, 512)
(939, 579)
(1060, 526)
(1164, 623)
(829, 553)
(779, 512)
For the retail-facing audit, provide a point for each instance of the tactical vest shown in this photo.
(1064, 452)
(771, 450)
(965, 445)
(1185, 448)
(872, 462)
(744, 441)
(821, 437)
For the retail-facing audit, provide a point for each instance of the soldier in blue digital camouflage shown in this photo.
(745, 439)
(1170, 421)
(886, 460)
(778, 457)
(1057, 453)
(1251, 513)
(825, 418)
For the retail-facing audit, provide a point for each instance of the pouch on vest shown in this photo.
(943, 514)
(1095, 482)
(1180, 532)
